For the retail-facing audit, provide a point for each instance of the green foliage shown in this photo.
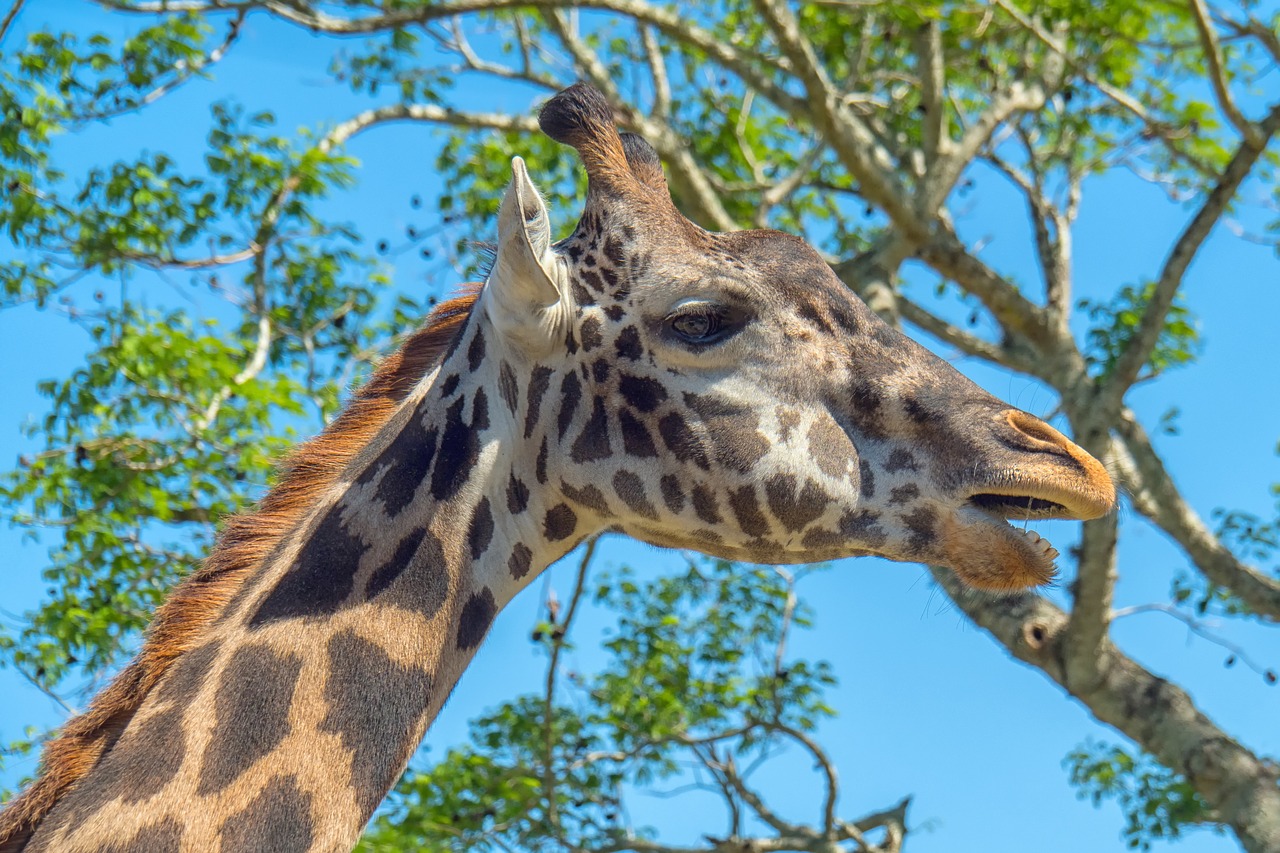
(691, 674)
(1157, 803)
(1116, 322)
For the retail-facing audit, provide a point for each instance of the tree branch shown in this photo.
(1155, 496)
(930, 65)
(658, 71)
(1156, 714)
(856, 145)
(1184, 251)
(553, 665)
(9, 17)
(1090, 621)
(1218, 74)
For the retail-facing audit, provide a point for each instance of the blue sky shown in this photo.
(928, 705)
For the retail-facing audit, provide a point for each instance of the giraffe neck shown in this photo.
(289, 724)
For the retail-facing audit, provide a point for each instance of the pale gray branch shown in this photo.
(1218, 74)
(1185, 248)
(1155, 713)
(930, 64)
(1154, 495)
(853, 141)
(658, 71)
(9, 17)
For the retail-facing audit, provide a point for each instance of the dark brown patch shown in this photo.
(376, 707)
(868, 479)
(614, 312)
(425, 584)
(901, 460)
(570, 394)
(641, 393)
(320, 579)
(788, 419)
(636, 440)
(538, 384)
(863, 526)
(818, 537)
(475, 352)
(593, 442)
(251, 713)
(581, 296)
(796, 507)
(162, 837)
(477, 616)
(681, 441)
(745, 505)
(904, 494)
(810, 314)
(921, 524)
(705, 505)
(520, 560)
(588, 496)
(394, 567)
(278, 819)
(145, 760)
(450, 385)
(613, 249)
(186, 677)
(865, 411)
(631, 489)
(480, 532)
(600, 370)
(917, 411)
(540, 464)
(590, 332)
(628, 344)
(480, 411)
(831, 448)
(404, 465)
(672, 493)
(592, 278)
(517, 495)
(559, 523)
(845, 319)
(508, 387)
(459, 450)
(733, 431)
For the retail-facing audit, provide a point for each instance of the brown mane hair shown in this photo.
(244, 543)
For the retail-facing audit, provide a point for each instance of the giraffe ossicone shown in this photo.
(721, 392)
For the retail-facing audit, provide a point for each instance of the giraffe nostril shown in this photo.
(1039, 432)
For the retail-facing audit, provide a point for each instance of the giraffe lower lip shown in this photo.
(989, 553)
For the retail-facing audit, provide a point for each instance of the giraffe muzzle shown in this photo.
(1043, 475)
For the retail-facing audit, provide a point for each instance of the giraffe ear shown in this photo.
(524, 285)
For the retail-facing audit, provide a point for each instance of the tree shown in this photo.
(860, 125)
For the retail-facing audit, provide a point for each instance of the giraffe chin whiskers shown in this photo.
(989, 553)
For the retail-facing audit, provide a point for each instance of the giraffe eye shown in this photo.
(703, 322)
(696, 327)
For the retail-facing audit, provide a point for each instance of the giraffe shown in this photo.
(720, 392)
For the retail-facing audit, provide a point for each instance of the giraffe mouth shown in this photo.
(1019, 507)
(990, 553)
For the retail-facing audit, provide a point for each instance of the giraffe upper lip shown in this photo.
(1021, 498)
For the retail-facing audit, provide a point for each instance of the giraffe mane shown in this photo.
(246, 540)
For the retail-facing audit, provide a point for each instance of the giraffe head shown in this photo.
(725, 392)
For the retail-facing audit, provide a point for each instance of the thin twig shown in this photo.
(9, 16)
(559, 631)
